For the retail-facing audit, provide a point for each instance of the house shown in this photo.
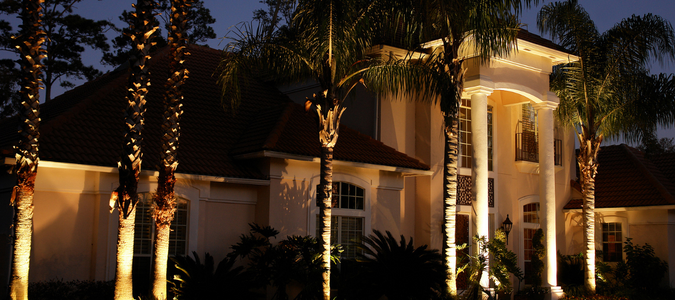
(261, 164)
(634, 198)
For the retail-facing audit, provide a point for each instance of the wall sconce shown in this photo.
(507, 225)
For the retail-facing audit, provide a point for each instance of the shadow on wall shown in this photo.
(62, 239)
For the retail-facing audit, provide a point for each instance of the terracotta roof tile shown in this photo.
(85, 125)
(626, 178)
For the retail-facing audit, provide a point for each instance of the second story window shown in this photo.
(527, 137)
(465, 135)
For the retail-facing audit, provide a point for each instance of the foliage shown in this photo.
(292, 263)
(197, 280)
(637, 277)
(653, 147)
(504, 261)
(571, 273)
(71, 290)
(198, 24)
(67, 36)
(394, 269)
(593, 297)
(538, 254)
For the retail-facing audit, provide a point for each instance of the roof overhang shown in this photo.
(631, 208)
(150, 173)
(556, 56)
(282, 155)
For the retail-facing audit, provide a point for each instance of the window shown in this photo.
(145, 227)
(465, 135)
(346, 227)
(611, 242)
(144, 234)
(530, 225)
(527, 137)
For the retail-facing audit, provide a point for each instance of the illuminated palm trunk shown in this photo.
(27, 155)
(125, 197)
(588, 166)
(125, 255)
(450, 204)
(328, 135)
(165, 201)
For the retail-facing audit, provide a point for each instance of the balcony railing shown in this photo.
(527, 144)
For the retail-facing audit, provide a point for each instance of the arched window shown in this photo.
(347, 220)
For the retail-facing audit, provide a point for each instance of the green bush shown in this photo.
(395, 269)
(197, 280)
(71, 290)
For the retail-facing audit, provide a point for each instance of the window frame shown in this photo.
(364, 213)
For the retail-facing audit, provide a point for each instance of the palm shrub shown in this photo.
(197, 280)
(571, 273)
(397, 269)
(293, 266)
(504, 261)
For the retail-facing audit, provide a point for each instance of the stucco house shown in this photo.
(261, 165)
(635, 198)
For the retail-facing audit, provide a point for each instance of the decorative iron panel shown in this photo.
(464, 190)
(464, 195)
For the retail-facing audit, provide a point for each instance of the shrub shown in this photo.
(197, 280)
(71, 290)
(395, 269)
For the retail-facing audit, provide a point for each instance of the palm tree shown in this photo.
(27, 155)
(491, 28)
(125, 196)
(164, 201)
(324, 43)
(607, 92)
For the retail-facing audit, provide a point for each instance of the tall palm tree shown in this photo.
(607, 92)
(491, 28)
(324, 42)
(27, 155)
(164, 201)
(125, 197)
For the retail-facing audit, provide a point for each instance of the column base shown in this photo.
(556, 293)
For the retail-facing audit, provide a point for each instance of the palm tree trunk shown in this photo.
(450, 204)
(160, 261)
(126, 195)
(27, 154)
(328, 135)
(588, 166)
(165, 200)
(125, 255)
(325, 214)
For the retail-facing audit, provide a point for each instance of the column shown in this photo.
(547, 191)
(479, 170)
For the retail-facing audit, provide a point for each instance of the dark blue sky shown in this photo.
(228, 13)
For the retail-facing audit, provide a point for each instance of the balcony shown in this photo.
(527, 148)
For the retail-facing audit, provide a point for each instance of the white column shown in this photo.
(547, 187)
(479, 170)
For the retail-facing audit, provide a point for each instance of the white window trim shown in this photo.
(521, 231)
(625, 231)
(365, 213)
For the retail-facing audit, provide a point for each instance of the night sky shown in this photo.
(228, 13)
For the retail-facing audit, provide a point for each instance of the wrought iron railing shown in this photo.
(527, 144)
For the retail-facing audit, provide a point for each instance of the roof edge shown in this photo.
(151, 173)
(283, 155)
(624, 208)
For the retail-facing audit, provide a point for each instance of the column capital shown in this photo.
(545, 105)
(478, 84)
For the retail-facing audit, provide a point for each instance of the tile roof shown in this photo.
(533, 38)
(626, 178)
(84, 125)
